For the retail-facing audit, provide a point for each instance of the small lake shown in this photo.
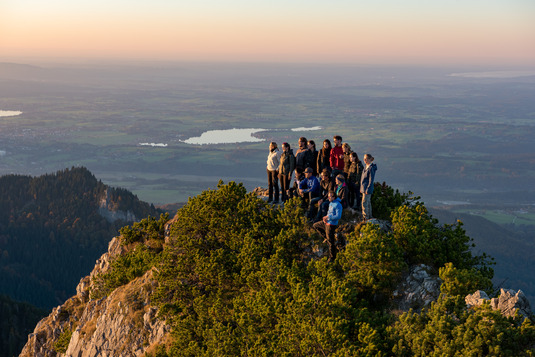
(161, 145)
(9, 113)
(233, 136)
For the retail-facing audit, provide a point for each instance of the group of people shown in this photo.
(328, 181)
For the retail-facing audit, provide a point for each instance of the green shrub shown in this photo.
(463, 281)
(147, 229)
(123, 269)
(62, 343)
(424, 241)
(372, 260)
(385, 200)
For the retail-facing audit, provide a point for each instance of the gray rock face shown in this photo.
(509, 302)
(111, 215)
(419, 289)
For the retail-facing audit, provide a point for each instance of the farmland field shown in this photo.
(463, 143)
(443, 137)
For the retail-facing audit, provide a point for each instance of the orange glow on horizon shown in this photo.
(385, 38)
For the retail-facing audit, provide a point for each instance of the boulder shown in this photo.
(509, 302)
(419, 289)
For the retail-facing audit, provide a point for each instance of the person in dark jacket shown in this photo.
(299, 183)
(314, 158)
(347, 158)
(326, 185)
(341, 190)
(311, 191)
(323, 161)
(286, 168)
(303, 156)
(353, 181)
(366, 186)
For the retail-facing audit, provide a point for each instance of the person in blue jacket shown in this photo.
(366, 186)
(311, 189)
(327, 226)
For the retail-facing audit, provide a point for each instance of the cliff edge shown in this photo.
(122, 324)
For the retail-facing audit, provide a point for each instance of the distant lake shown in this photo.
(9, 113)
(153, 144)
(232, 136)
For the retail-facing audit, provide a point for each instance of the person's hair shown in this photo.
(346, 145)
(311, 142)
(337, 137)
(286, 145)
(341, 178)
(331, 192)
(326, 172)
(354, 154)
(299, 170)
(328, 142)
(371, 158)
(302, 139)
(272, 146)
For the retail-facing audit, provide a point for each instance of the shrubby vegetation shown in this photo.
(447, 328)
(146, 240)
(240, 277)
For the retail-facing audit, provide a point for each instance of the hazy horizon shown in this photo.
(475, 32)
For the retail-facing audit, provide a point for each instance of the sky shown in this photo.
(433, 32)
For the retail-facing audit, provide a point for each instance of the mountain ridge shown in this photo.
(188, 298)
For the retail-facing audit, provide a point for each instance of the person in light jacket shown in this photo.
(273, 163)
(366, 186)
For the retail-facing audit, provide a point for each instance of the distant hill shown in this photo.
(514, 254)
(53, 228)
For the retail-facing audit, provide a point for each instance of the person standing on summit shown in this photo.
(366, 186)
(337, 157)
(324, 156)
(303, 156)
(286, 168)
(273, 163)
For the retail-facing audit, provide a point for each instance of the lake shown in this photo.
(234, 135)
(9, 113)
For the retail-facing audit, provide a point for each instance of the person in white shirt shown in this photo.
(273, 162)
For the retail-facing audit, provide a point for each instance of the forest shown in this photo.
(17, 320)
(51, 233)
(237, 276)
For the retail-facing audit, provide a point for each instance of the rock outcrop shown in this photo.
(419, 289)
(509, 302)
(107, 211)
(121, 324)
